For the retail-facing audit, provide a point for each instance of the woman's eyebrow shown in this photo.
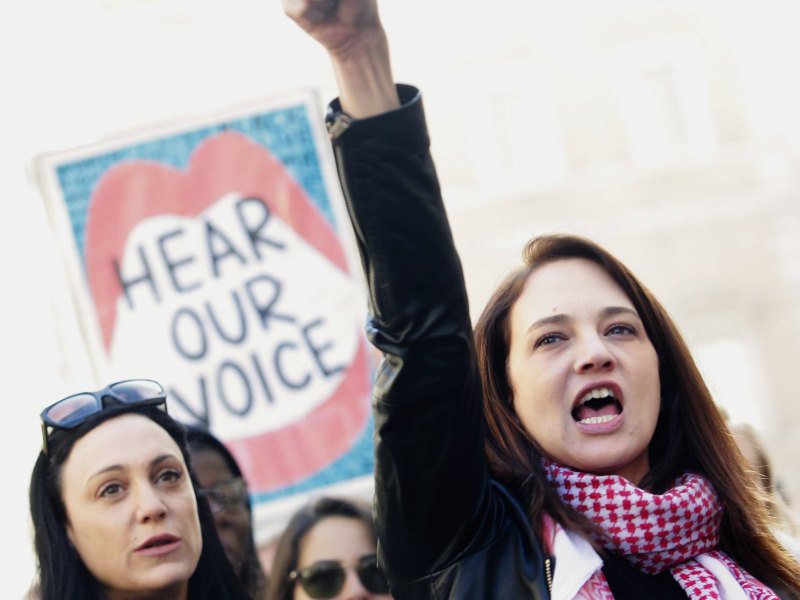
(108, 469)
(122, 466)
(608, 311)
(161, 458)
(611, 311)
(559, 318)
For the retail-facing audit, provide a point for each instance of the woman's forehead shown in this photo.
(336, 537)
(569, 285)
(129, 440)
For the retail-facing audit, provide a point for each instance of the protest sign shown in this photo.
(214, 256)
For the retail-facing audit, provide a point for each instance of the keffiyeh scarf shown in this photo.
(677, 530)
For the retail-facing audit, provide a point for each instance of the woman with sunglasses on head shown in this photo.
(328, 551)
(222, 484)
(114, 508)
(570, 447)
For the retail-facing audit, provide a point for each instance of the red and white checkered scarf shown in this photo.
(655, 532)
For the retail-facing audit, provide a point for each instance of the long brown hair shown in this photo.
(752, 448)
(690, 435)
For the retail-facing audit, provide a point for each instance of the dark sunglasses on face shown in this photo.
(73, 410)
(325, 578)
(230, 496)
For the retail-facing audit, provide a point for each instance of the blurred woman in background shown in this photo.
(328, 550)
(222, 484)
(752, 449)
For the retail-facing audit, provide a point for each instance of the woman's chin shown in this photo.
(608, 461)
(167, 580)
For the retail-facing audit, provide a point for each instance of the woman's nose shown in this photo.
(149, 505)
(353, 589)
(593, 354)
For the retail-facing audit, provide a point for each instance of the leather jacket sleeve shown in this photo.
(435, 505)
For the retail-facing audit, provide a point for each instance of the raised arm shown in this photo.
(351, 32)
(434, 503)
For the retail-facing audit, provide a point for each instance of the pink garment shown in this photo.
(677, 530)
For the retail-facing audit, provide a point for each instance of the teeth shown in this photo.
(602, 392)
(598, 420)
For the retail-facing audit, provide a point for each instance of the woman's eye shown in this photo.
(547, 340)
(621, 329)
(169, 476)
(110, 490)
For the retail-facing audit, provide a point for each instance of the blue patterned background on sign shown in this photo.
(288, 135)
(358, 461)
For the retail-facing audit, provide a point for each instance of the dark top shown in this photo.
(629, 583)
(445, 529)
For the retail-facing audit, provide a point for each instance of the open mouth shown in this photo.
(599, 405)
(158, 541)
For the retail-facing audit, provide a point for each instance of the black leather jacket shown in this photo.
(445, 529)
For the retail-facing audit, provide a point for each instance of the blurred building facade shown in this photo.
(667, 132)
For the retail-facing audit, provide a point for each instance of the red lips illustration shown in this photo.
(133, 192)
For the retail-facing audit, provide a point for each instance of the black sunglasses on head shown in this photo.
(325, 578)
(73, 410)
